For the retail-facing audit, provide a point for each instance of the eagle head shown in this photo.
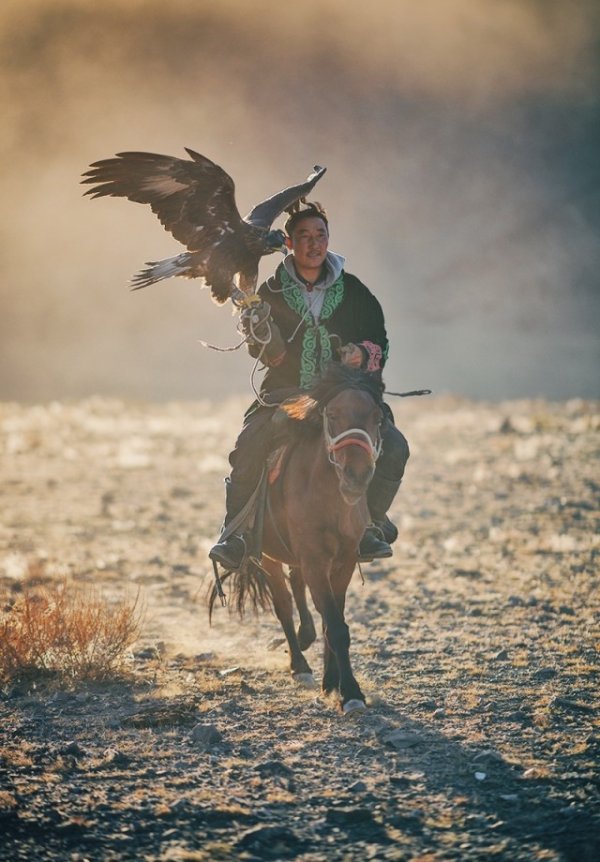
(275, 241)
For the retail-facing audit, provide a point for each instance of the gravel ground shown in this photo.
(476, 644)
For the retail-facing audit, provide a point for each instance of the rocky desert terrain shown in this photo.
(476, 644)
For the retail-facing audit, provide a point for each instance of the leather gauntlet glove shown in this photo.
(255, 322)
(261, 330)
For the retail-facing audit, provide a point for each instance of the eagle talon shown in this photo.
(249, 300)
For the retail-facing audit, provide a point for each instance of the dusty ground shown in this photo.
(477, 645)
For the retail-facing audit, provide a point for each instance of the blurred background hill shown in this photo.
(462, 141)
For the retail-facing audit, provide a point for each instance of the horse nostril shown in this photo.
(357, 478)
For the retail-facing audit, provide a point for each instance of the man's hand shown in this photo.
(352, 355)
(255, 322)
(263, 334)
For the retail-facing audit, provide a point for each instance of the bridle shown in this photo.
(351, 437)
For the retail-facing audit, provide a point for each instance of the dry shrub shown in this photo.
(64, 631)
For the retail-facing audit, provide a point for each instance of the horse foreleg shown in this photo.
(306, 630)
(352, 698)
(284, 609)
(330, 598)
(338, 670)
(331, 671)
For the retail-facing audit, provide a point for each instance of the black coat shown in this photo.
(350, 313)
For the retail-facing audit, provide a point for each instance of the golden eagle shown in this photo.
(195, 201)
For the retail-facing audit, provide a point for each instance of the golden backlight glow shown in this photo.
(462, 182)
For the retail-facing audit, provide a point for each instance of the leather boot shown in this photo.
(373, 546)
(230, 550)
(229, 553)
(380, 497)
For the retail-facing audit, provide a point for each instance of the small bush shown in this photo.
(67, 632)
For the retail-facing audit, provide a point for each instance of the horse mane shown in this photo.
(306, 408)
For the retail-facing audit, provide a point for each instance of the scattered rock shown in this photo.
(400, 781)
(269, 842)
(400, 738)
(205, 735)
(340, 816)
(568, 703)
(114, 757)
(473, 574)
(515, 601)
(488, 755)
(162, 715)
(60, 697)
(229, 670)
(273, 767)
(73, 749)
(357, 787)
(147, 654)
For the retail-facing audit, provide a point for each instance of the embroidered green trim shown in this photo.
(316, 343)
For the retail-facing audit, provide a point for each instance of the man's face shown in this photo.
(309, 242)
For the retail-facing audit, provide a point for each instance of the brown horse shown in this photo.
(316, 516)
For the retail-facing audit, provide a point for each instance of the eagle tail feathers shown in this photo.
(158, 270)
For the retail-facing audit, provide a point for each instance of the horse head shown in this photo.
(351, 428)
(349, 404)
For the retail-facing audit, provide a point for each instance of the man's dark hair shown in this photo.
(310, 210)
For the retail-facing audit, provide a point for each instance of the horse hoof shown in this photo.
(306, 637)
(305, 680)
(354, 707)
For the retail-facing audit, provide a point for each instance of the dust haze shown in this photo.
(462, 143)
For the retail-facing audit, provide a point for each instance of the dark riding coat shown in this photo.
(350, 314)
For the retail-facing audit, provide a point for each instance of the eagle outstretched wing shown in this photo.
(265, 213)
(194, 200)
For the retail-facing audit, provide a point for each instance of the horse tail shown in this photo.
(249, 585)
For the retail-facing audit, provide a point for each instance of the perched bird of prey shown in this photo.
(195, 201)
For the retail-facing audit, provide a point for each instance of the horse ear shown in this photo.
(299, 408)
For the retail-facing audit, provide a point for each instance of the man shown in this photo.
(312, 312)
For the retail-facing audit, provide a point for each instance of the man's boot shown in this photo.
(373, 545)
(230, 550)
(377, 539)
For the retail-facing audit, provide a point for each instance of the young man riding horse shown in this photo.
(312, 312)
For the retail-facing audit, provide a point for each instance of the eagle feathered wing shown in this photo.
(194, 200)
(265, 213)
